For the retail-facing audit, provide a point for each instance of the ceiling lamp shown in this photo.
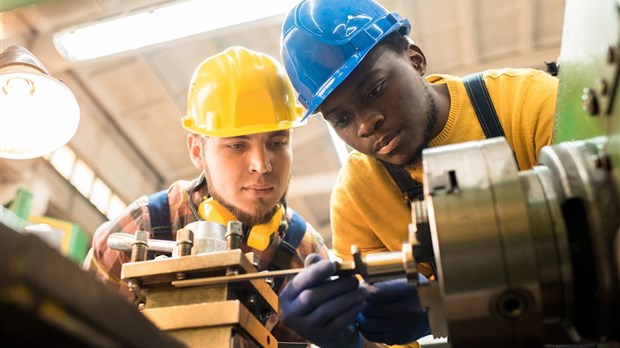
(38, 113)
(154, 25)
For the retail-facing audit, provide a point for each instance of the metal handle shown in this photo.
(122, 241)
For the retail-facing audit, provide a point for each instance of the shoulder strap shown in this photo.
(159, 211)
(288, 247)
(410, 189)
(481, 100)
(296, 230)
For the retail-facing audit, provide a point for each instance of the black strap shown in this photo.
(296, 230)
(481, 100)
(410, 189)
(288, 247)
(159, 212)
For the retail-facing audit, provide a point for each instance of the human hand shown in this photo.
(320, 309)
(392, 313)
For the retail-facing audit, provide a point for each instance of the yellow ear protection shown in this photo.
(259, 236)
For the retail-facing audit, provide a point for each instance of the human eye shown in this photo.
(279, 143)
(375, 90)
(340, 121)
(236, 146)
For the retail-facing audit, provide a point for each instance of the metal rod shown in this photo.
(347, 267)
(234, 278)
(123, 241)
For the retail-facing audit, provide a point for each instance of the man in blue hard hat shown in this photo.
(354, 61)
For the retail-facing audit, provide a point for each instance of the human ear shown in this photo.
(195, 150)
(416, 56)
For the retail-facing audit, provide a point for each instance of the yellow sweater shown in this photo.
(366, 205)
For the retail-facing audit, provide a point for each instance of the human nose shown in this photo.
(260, 160)
(368, 122)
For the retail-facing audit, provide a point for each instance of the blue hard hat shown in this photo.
(324, 40)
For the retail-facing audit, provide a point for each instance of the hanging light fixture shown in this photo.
(38, 113)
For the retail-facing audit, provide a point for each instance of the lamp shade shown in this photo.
(38, 113)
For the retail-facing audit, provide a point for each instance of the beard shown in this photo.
(263, 212)
(429, 133)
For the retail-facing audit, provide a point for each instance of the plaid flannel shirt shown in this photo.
(107, 263)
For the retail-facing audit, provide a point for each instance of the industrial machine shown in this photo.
(208, 290)
(533, 257)
(223, 314)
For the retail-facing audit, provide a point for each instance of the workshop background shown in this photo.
(130, 141)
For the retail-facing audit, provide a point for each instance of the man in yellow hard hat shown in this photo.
(240, 114)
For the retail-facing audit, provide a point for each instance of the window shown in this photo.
(116, 206)
(83, 178)
(63, 160)
(100, 195)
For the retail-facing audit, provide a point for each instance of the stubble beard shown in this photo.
(263, 213)
(429, 132)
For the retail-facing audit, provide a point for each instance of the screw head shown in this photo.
(589, 102)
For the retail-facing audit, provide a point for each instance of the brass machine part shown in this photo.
(218, 314)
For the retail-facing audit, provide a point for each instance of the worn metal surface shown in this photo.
(45, 299)
(218, 315)
(210, 323)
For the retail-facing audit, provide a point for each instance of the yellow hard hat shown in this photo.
(239, 92)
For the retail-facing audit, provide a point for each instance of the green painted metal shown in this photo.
(590, 62)
(21, 204)
(79, 244)
(590, 28)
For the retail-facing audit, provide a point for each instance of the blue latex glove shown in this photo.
(320, 309)
(392, 313)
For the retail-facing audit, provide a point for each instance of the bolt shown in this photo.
(184, 242)
(134, 287)
(601, 85)
(589, 103)
(234, 235)
(596, 161)
(139, 247)
(419, 209)
(612, 54)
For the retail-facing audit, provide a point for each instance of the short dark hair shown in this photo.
(394, 41)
